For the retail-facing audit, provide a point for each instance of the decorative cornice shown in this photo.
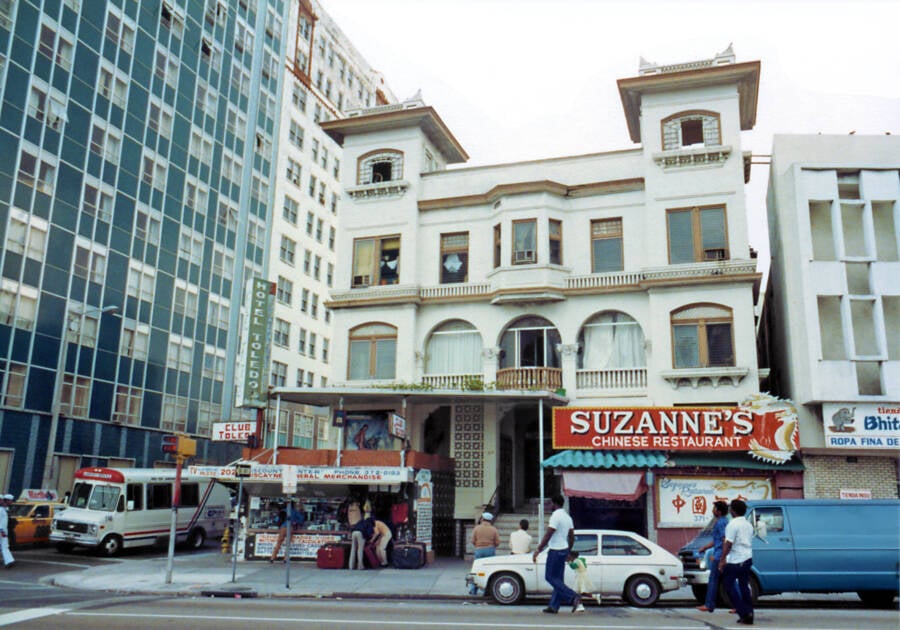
(378, 190)
(534, 187)
(695, 156)
(744, 75)
(715, 375)
(672, 275)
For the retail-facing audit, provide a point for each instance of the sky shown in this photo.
(518, 80)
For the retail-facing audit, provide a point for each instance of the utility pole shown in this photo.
(183, 447)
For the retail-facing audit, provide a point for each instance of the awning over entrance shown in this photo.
(730, 460)
(606, 459)
(614, 486)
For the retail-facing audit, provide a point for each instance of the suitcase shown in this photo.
(371, 555)
(408, 555)
(333, 556)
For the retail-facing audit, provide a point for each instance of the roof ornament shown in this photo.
(415, 100)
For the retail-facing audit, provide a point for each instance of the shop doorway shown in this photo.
(436, 439)
(530, 461)
(607, 514)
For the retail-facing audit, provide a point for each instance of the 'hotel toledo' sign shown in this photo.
(763, 426)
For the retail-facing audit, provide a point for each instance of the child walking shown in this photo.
(583, 584)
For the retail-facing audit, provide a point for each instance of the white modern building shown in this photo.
(324, 75)
(831, 321)
(619, 279)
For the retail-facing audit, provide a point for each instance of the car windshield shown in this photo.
(20, 510)
(104, 498)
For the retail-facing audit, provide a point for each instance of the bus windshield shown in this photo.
(104, 498)
(80, 494)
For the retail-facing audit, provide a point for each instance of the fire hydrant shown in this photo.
(226, 537)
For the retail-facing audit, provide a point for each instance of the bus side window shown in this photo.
(135, 496)
(159, 496)
(190, 494)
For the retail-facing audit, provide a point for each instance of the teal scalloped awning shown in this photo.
(606, 459)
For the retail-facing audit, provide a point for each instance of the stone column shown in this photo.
(489, 359)
(569, 358)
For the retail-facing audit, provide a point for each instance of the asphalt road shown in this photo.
(27, 602)
(128, 613)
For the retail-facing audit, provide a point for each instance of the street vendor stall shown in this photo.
(331, 499)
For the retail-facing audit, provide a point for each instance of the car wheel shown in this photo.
(699, 591)
(197, 538)
(506, 588)
(111, 546)
(877, 599)
(64, 547)
(642, 590)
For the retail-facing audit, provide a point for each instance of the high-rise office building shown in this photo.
(144, 161)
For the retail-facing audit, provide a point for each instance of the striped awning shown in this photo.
(606, 459)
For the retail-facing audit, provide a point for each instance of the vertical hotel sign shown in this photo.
(253, 359)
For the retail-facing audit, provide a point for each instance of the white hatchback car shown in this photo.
(619, 563)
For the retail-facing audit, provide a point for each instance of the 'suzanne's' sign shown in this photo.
(765, 427)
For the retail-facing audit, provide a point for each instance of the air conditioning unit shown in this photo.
(714, 254)
(361, 281)
(524, 256)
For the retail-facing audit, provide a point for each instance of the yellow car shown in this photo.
(29, 521)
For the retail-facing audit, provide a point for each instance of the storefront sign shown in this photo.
(310, 474)
(302, 545)
(688, 501)
(763, 426)
(398, 426)
(855, 494)
(862, 425)
(232, 431)
(424, 507)
(252, 375)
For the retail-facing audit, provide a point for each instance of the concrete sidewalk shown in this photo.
(209, 574)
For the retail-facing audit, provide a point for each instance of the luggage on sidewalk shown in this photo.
(333, 556)
(408, 555)
(371, 555)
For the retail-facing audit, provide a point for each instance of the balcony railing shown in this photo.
(453, 381)
(543, 378)
(612, 380)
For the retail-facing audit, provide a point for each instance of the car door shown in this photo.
(41, 523)
(774, 560)
(588, 547)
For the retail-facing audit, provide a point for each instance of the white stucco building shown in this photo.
(831, 324)
(616, 279)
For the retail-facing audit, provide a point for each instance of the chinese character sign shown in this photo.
(688, 501)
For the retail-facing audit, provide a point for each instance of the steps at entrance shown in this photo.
(506, 524)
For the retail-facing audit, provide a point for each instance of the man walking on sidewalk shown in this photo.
(737, 558)
(559, 539)
(720, 511)
(8, 561)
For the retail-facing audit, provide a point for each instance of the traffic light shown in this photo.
(170, 444)
(181, 445)
(187, 447)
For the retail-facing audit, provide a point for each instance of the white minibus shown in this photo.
(113, 508)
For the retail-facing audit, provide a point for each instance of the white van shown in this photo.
(113, 508)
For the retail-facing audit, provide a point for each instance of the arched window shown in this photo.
(685, 129)
(530, 342)
(702, 336)
(383, 165)
(373, 352)
(454, 348)
(611, 340)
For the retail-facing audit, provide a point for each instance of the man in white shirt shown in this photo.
(559, 538)
(737, 558)
(8, 561)
(520, 540)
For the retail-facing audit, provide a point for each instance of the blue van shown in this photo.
(815, 546)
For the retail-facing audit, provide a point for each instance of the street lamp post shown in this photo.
(73, 323)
